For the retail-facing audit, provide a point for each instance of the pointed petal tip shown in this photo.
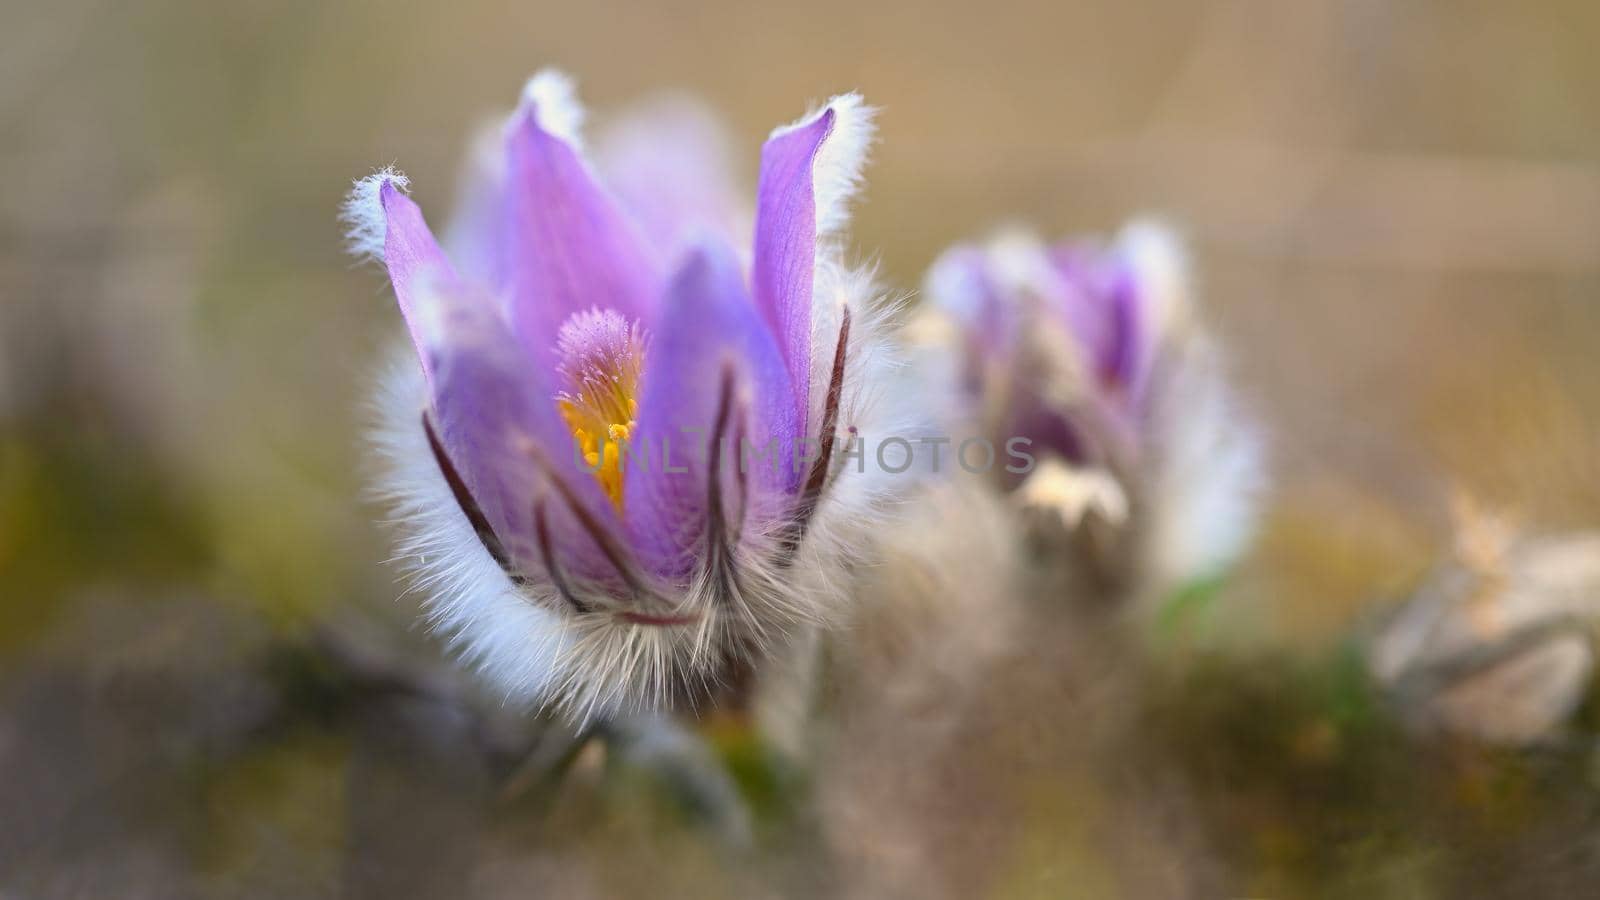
(1155, 238)
(576, 246)
(708, 245)
(1159, 258)
(852, 109)
(364, 211)
(847, 110)
(706, 266)
(391, 188)
(550, 103)
(843, 132)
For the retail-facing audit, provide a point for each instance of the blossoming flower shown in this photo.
(1092, 354)
(616, 467)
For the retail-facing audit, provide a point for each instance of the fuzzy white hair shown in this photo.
(444, 557)
(534, 651)
(836, 169)
(554, 97)
(1207, 472)
(362, 213)
(1206, 458)
(879, 396)
(1155, 251)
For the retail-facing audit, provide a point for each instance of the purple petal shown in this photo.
(709, 334)
(414, 260)
(1103, 305)
(495, 416)
(571, 247)
(1085, 302)
(1123, 362)
(786, 245)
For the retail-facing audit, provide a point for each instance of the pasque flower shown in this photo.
(1092, 353)
(616, 466)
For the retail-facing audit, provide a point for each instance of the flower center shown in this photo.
(600, 356)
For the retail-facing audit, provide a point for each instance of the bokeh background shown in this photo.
(1395, 213)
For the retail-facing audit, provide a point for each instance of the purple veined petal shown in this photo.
(808, 173)
(477, 239)
(786, 245)
(668, 163)
(496, 419)
(413, 259)
(708, 333)
(489, 402)
(570, 247)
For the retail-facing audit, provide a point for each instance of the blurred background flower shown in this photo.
(1393, 212)
(1126, 451)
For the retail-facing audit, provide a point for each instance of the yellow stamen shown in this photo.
(608, 471)
(602, 358)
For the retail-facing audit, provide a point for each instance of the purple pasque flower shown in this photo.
(1090, 352)
(617, 468)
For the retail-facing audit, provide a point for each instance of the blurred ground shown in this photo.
(1396, 216)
